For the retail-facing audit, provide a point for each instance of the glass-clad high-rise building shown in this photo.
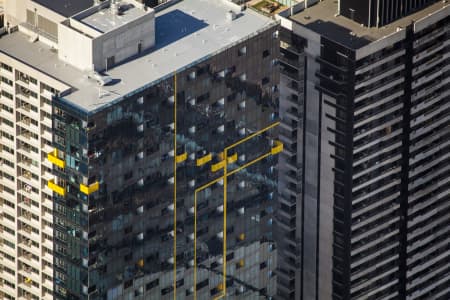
(160, 152)
(364, 183)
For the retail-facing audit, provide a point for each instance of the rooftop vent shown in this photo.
(101, 79)
(352, 13)
(231, 15)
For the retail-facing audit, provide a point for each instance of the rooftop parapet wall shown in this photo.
(99, 38)
(322, 19)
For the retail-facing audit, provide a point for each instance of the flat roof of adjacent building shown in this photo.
(66, 8)
(105, 20)
(323, 19)
(186, 33)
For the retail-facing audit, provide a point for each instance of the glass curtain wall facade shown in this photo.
(147, 174)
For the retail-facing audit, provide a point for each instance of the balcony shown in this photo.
(46, 134)
(48, 284)
(7, 142)
(89, 189)
(28, 110)
(46, 106)
(341, 68)
(47, 230)
(8, 129)
(290, 59)
(289, 126)
(28, 232)
(46, 121)
(28, 124)
(49, 245)
(56, 188)
(54, 159)
(28, 244)
(47, 94)
(290, 151)
(294, 114)
(47, 203)
(47, 217)
(8, 73)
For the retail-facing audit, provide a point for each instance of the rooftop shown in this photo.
(105, 20)
(66, 7)
(186, 32)
(323, 19)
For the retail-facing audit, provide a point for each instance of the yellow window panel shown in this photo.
(277, 148)
(182, 157)
(241, 263)
(203, 160)
(242, 236)
(217, 166)
(56, 188)
(231, 159)
(220, 155)
(89, 189)
(54, 159)
(140, 263)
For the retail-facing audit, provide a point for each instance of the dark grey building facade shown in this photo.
(149, 137)
(379, 13)
(364, 188)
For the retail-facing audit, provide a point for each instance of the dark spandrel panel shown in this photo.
(66, 8)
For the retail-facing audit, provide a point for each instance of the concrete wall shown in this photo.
(16, 11)
(123, 42)
(12, 9)
(75, 24)
(311, 165)
(75, 48)
(85, 49)
(326, 204)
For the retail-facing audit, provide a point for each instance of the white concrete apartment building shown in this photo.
(26, 154)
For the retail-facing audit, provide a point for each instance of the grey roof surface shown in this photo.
(323, 19)
(186, 32)
(104, 20)
(66, 8)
